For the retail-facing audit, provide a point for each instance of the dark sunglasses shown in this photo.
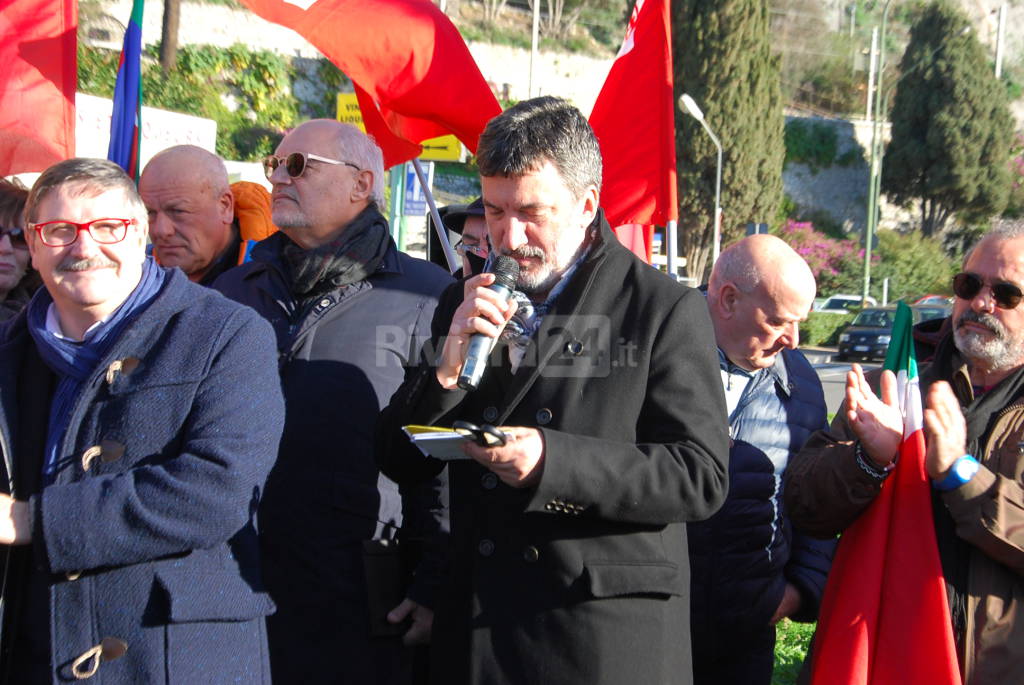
(967, 286)
(295, 163)
(16, 235)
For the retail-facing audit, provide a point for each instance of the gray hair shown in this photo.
(1004, 229)
(362, 150)
(522, 138)
(89, 177)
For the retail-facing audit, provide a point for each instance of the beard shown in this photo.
(543, 273)
(997, 352)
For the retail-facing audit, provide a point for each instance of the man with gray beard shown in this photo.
(974, 428)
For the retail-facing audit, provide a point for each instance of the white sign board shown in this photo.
(160, 129)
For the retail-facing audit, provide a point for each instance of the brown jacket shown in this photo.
(979, 526)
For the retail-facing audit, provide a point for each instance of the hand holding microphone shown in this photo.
(476, 324)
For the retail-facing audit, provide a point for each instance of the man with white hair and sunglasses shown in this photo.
(974, 429)
(343, 548)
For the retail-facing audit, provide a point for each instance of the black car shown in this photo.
(868, 336)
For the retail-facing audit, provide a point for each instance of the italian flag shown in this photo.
(884, 617)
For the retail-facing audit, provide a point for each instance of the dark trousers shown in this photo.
(746, 661)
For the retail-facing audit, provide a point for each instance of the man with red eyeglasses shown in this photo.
(974, 429)
(342, 543)
(139, 415)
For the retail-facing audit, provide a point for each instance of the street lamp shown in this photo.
(687, 104)
(874, 178)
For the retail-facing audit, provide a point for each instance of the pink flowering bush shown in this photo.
(837, 264)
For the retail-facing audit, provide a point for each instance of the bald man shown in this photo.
(341, 541)
(749, 569)
(191, 212)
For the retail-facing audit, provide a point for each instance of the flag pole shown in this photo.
(442, 233)
(670, 247)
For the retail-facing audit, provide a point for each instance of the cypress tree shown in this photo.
(951, 127)
(723, 60)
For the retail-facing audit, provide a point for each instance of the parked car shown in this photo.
(934, 300)
(868, 336)
(842, 304)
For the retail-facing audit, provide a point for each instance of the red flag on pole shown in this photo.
(414, 76)
(38, 75)
(634, 120)
(884, 617)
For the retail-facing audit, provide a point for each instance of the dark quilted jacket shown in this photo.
(742, 557)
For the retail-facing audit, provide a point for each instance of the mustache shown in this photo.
(71, 265)
(525, 252)
(987, 320)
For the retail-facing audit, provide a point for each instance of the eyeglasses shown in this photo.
(295, 163)
(479, 250)
(16, 235)
(105, 231)
(967, 285)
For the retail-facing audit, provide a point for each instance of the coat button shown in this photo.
(491, 414)
(531, 554)
(89, 454)
(489, 481)
(544, 417)
(125, 367)
(574, 347)
(486, 548)
(111, 450)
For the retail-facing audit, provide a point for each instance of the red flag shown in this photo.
(884, 617)
(38, 75)
(634, 120)
(406, 57)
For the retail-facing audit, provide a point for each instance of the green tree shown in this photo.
(915, 265)
(723, 59)
(951, 128)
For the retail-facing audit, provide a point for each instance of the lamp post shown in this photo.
(875, 178)
(687, 104)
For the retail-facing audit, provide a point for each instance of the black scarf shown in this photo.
(980, 414)
(349, 258)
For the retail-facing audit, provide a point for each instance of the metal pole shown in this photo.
(716, 248)
(442, 233)
(872, 63)
(1000, 39)
(671, 249)
(874, 182)
(533, 45)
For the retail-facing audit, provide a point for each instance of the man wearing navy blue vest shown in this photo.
(749, 568)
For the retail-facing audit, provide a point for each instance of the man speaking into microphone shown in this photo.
(568, 548)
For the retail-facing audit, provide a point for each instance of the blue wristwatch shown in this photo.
(963, 470)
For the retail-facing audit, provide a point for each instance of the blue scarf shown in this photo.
(74, 362)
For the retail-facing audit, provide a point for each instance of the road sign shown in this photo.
(348, 110)
(415, 198)
(443, 149)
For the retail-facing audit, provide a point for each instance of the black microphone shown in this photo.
(506, 273)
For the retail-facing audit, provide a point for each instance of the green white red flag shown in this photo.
(884, 617)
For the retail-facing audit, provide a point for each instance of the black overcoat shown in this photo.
(583, 578)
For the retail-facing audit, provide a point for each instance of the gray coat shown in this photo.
(341, 356)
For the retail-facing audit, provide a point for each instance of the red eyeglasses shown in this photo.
(60, 233)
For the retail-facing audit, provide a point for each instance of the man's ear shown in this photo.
(362, 189)
(588, 205)
(226, 207)
(728, 300)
